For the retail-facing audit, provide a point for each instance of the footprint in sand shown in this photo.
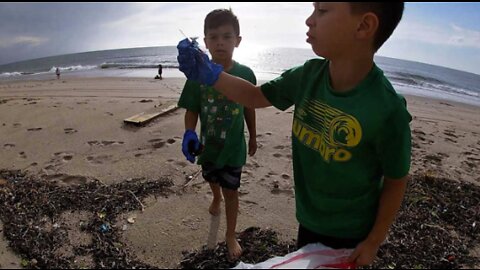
(450, 133)
(65, 156)
(100, 159)
(34, 129)
(59, 159)
(277, 155)
(157, 143)
(279, 147)
(171, 141)
(8, 145)
(469, 164)
(436, 159)
(22, 155)
(182, 164)
(145, 101)
(104, 143)
(109, 113)
(270, 174)
(17, 125)
(277, 190)
(450, 140)
(67, 179)
(69, 130)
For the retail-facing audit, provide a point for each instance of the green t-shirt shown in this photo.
(222, 120)
(343, 145)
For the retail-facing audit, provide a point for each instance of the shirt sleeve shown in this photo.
(394, 143)
(282, 91)
(190, 97)
(251, 77)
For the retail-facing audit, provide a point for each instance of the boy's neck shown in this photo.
(345, 75)
(226, 64)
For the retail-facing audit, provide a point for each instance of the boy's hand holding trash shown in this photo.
(195, 64)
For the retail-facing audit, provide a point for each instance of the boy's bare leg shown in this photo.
(214, 208)
(231, 209)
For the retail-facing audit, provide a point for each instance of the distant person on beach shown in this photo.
(57, 71)
(221, 148)
(351, 141)
(159, 76)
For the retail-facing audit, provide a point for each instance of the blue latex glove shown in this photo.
(190, 145)
(195, 64)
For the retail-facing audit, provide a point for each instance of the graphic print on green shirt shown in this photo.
(331, 132)
(342, 146)
(222, 120)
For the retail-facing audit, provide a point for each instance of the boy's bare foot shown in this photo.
(234, 249)
(214, 208)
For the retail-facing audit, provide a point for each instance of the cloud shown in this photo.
(451, 36)
(159, 23)
(22, 40)
(464, 37)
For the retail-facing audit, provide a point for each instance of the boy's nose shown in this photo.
(309, 22)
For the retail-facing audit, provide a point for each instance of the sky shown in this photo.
(444, 34)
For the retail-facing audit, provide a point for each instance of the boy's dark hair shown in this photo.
(220, 17)
(389, 15)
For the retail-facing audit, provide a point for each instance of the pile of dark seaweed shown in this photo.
(27, 203)
(437, 226)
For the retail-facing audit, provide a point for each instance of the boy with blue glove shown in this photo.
(351, 138)
(221, 148)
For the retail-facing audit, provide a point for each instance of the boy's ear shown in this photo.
(239, 39)
(368, 26)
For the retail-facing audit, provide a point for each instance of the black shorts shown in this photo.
(305, 237)
(227, 177)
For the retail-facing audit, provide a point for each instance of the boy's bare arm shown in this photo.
(251, 123)
(389, 204)
(252, 130)
(191, 119)
(241, 91)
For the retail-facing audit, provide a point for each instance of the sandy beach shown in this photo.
(71, 131)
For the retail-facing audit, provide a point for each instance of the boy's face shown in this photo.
(331, 29)
(221, 42)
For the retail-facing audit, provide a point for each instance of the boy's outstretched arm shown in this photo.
(389, 204)
(241, 91)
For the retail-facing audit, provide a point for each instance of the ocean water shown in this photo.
(408, 77)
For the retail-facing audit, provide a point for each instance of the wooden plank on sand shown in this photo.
(144, 117)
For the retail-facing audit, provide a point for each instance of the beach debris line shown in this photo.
(437, 228)
(31, 211)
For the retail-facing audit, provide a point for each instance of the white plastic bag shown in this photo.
(311, 256)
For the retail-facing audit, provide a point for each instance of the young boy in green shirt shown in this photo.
(351, 138)
(222, 136)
